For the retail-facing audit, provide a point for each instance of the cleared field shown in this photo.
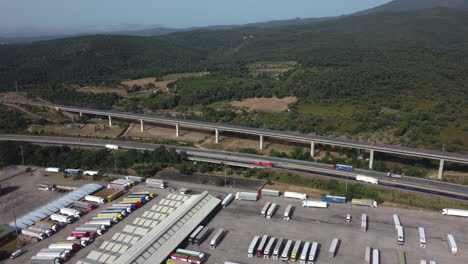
(167, 132)
(94, 89)
(266, 104)
(140, 82)
(97, 130)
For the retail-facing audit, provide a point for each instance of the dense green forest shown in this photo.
(402, 73)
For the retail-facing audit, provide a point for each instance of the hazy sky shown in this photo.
(170, 13)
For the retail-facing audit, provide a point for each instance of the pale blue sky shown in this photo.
(170, 13)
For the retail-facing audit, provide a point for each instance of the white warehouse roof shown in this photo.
(54, 206)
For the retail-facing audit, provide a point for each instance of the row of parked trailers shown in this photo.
(284, 249)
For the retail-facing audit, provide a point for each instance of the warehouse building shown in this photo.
(156, 233)
(45, 211)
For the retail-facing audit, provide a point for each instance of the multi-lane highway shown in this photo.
(416, 152)
(437, 188)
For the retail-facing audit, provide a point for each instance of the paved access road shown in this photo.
(431, 187)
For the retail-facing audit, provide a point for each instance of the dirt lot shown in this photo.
(97, 130)
(168, 132)
(266, 104)
(94, 89)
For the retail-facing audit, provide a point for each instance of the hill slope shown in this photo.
(410, 5)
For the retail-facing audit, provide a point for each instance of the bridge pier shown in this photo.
(312, 149)
(371, 159)
(142, 125)
(261, 142)
(441, 170)
(177, 130)
(110, 121)
(216, 136)
(81, 114)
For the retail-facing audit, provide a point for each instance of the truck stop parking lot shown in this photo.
(242, 221)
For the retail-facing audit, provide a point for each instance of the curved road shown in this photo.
(437, 188)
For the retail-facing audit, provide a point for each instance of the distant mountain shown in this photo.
(408, 5)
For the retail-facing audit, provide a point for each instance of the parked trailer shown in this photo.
(145, 197)
(135, 204)
(363, 202)
(117, 186)
(134, 200)
(304, 253)
(45, 230)
(80, 234)
(73, 171)
(333, 199)
(156, 183)
(191, 253)
(54, 254)
(52, 169)
(135, 178)
(396, 221)
(95, 199)
(46, 186)
(202, 235)
(263, 163)
(333, 248)
(364, 222)
(90, 172)
(261, 246)
(288, 212)
(313, 252)
(62, 218)
(295, 251)
(265, 209)
(122, 211)
(34, 234)
(401, 257)
(271, 211)
(400, 235)
(84, 205)
(65, 245)
(452, 244)
(70, 212)
(367, 179)
(267, 192)
(44, 260)
(367, 255)
(114, 195)
(248, 196)
(455, 212)
(422, 237)
(111, 214)
(109, 218)
(343, 167)
(314, 203)
(111, 146)
(375, 256)
(227, 200)
(129, 207)
(48, 225)
(277, 250)
(150, 194)
(192, 236)
(253, 246)
(65, 252)
(286, 251)
(269, 248)
(295, 195)
(92, 229)
(216, 238)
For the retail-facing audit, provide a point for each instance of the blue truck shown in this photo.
(333, 199)
(73, 171)
(343, 167)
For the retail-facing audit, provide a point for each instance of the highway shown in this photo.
(393, 149)
(431, 187)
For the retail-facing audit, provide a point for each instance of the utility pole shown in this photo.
(443, 148)
(16, 228)
(16, 86)
(22, 155)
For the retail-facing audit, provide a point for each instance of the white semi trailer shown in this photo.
(455, 212)
(314, 203)
(62, 218)
(367, 179)
(295, 195)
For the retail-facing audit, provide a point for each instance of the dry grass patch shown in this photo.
(94, 130)
(97, 90)
(140, 82)
(266, 104)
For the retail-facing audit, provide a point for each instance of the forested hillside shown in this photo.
(399, 72)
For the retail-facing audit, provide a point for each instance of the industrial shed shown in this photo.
(151, 237)
(52, 207)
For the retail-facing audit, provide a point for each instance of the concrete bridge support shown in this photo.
(216, 136)
(81, 114)
(177, 130)
(371, 159)
(261, 142)
(142, 125)
(110, 121)
(441, 169)
(312, 149)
